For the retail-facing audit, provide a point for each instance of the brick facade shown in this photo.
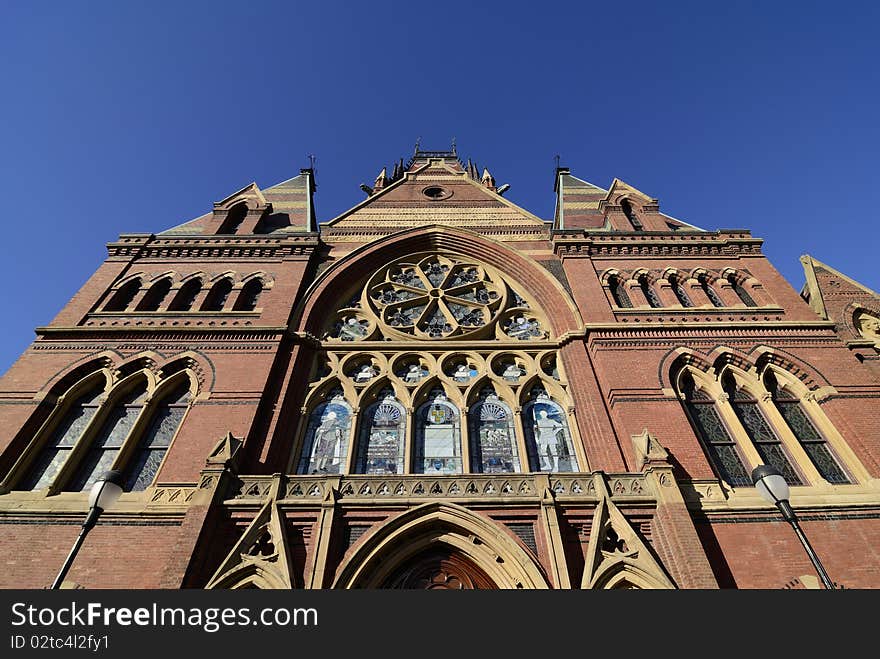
(647, 507)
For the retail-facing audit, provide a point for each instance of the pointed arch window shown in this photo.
(249, 296)
(648, 290)
(741, 292)
(186, 296)
(124, 296)
(492, 436)
(548, 439)
(154, 297)
(438, 436)
(382, 437)
(166, 417)
(802, 428)
(766, 442)
(58, 448)
(630, 213)
(720, 447)
(325, 449)
(678, 288)
(709, 291)
(219, 293)
(105, 446)
(621, 299)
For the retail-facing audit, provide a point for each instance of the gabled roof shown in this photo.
(816, 289)
(292, 207)
(459, 200)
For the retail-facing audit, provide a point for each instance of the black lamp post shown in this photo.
(772, 486)
(103, 494)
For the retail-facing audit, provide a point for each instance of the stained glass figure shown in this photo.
(492, 436)
(522, 328)
(438, 437)
(57, 449)
(548, 439)
(365, 373)
(350, 328)
(413, 373)
(325, 448)
(512, 372)
(382, 436)
(463, 372)
(167, 415)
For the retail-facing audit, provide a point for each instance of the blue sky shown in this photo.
(136, 116)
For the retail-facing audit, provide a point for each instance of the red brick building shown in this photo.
(438, 389)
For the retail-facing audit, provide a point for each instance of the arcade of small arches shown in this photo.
(673, 288)
(454, 412)
(172, 292)
(748, 414)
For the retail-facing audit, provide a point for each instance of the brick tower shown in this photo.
(438, 389)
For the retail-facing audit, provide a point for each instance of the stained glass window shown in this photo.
(741, 292)
(548, 439)
(325, 449)
(803, 429)
(382, 437)
(710, 292)
(106, 444)
(765, 440)
(721, 448)
(438, 437)
(62, 440)
(621, 299)
(648, 290)
(492, 436)
(680, 293)
(167, 415)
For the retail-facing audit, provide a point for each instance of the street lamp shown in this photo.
(103, 494)
(772, 486)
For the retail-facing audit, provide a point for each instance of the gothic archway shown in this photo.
(441, 568)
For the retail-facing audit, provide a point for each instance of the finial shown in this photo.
(556, 158)
(418, 146)
(453, 147)
(312, 159)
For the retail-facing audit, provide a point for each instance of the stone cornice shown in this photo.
(655, 243)
(270, 333)
(144, 246)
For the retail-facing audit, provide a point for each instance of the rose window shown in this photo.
(436, 297)
(433, 296)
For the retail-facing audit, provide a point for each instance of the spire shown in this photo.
(381, 180)
(488, 180)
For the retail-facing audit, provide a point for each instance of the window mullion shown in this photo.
(801, 461)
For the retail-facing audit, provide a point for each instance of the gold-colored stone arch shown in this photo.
(481, 540)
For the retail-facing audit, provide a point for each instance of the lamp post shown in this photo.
(103, 494)
(772, 486)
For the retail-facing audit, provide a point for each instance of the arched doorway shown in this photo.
(441, 568)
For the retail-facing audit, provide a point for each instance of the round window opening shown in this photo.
(436, 193)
